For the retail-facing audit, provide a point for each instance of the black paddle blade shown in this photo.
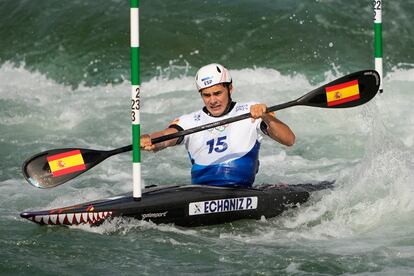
(348, 91)
(51, 168)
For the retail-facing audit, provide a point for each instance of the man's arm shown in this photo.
(147, 145)
(277, 130)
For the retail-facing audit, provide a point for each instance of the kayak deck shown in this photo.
(189, 205)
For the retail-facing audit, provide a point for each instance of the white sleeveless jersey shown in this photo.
(226, 155)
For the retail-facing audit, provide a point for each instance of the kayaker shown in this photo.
(226, 155)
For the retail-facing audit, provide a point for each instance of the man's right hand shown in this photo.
(146, 143)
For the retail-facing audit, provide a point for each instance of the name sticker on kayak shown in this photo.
(222, 205)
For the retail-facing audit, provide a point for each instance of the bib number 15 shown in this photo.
(218, 145)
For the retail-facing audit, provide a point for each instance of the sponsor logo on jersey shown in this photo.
(218, 129)
(222, 205)
(244, 107)
(197, 117)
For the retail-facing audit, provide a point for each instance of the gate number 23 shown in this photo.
(218, 145)
(135, 106)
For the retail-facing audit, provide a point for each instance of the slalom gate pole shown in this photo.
(378, 39)
(135, 95)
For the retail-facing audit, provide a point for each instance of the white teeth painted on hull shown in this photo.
(46, 219)
(61, 218)
(78, 218)
(53, 219)
(85, 217)
(72, 219)
(38, 219)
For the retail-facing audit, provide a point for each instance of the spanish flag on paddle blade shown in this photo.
(65, 163)
(342, 93)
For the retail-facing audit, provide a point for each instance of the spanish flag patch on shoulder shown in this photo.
(65, 163)
(342, 93)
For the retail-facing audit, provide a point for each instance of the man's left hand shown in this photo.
(258, 111)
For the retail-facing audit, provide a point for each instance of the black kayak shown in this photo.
(189, 205)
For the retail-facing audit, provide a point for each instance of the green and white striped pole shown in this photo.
(135, 106)
(378, 38)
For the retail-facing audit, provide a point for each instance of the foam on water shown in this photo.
(373, 194)
(367, 150)
(61, 96)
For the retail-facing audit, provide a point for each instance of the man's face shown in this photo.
(216, 98)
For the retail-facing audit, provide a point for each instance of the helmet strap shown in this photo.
(229, 104)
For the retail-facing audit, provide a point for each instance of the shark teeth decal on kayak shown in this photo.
(62, 218)
(37, 219)
(72, 218)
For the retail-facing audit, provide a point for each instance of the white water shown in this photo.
(368, 150)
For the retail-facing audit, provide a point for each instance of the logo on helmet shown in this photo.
(207, 78)
(212, 74)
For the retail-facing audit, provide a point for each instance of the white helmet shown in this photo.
(210, 75)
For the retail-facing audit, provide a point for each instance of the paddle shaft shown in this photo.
(348, 91)
(218, 123)
(205, 127)
(368, 79)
